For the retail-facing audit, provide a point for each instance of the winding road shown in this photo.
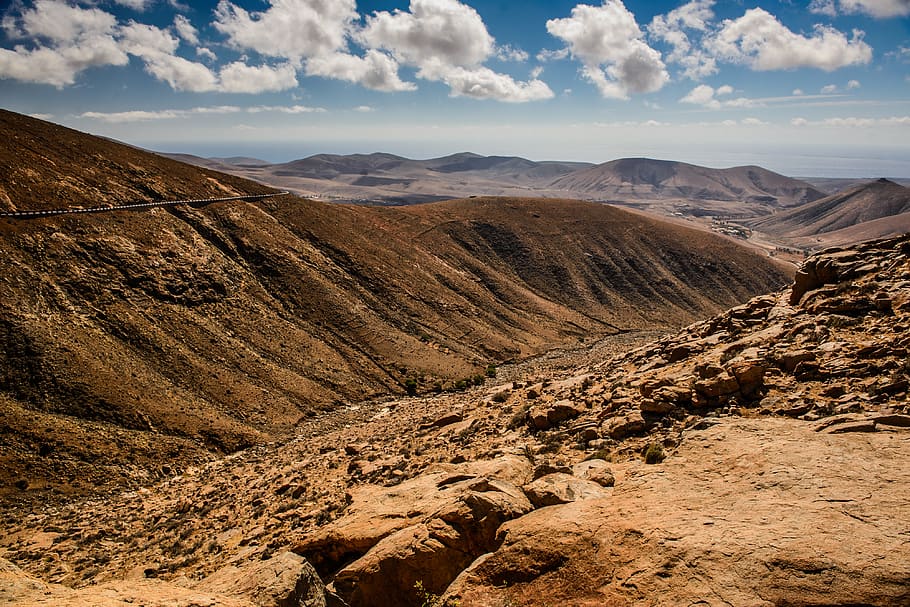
(125, 207)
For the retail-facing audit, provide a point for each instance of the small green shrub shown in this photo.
(653, 453)
(501, 397)
(491, 370)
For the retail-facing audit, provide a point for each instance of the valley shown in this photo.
(507, 397)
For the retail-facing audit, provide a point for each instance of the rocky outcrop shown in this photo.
(756, 512)
(425, 530)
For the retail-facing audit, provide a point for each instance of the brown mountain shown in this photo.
(871, 210)
(163, 335)
(644, 178)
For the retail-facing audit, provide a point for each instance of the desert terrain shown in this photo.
(490, 400)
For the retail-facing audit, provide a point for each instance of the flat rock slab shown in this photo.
(758, 512)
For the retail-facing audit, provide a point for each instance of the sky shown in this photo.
(806, 88)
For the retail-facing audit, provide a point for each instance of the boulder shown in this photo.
(626, 425)
(561, 488)
(285, 580)
(749, 374)
(716, 386)
(596, 470)
(789, 359)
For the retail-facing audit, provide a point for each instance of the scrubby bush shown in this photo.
(653, 453)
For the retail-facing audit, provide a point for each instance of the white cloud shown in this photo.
(877, 8)
(185, 30)
(671, 28)
(64, 41)
(509, 53)
(853, 84)
(364, 109)
(448, 42)
(375, 70)
(610, 45)
(433, 31)
(484, 83)
(42, 116)
(854, 122)
(289, 29)
(286, 109)
(136, 5)
(172, 114)
(823, 7)
(156, 47)
(206, 54)
(700, 95)
(548, 55)
(798, 92)
(759, 40)
(238, 77)
(829, 89)
(707, 96)
(754, 122)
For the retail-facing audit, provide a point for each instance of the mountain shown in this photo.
(871, 210)
(133, 338)
(669, 188)
(644, 178)
(757, 457)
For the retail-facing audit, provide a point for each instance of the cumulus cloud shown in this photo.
(609, 44)
(829, 89)
(375, 70)
(877, 8)
(853, 84)
(437, 31)
(206, 53)
(238, 77)
(448, 42)
(760, 41)
(185, 30)
(676, 27)
(63, 41)
(707, 96)
(289, 29)
(484, 83)
(157, 47)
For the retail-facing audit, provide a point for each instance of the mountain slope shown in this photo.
(643, 177)
(169, 334)
(867, 202)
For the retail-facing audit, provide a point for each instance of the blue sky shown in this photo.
(818, 87)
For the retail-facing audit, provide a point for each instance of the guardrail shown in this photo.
(126, 207)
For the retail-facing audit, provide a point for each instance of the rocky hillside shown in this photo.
(759, 457)
(136, 343)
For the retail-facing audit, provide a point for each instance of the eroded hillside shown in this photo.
(134, 344)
